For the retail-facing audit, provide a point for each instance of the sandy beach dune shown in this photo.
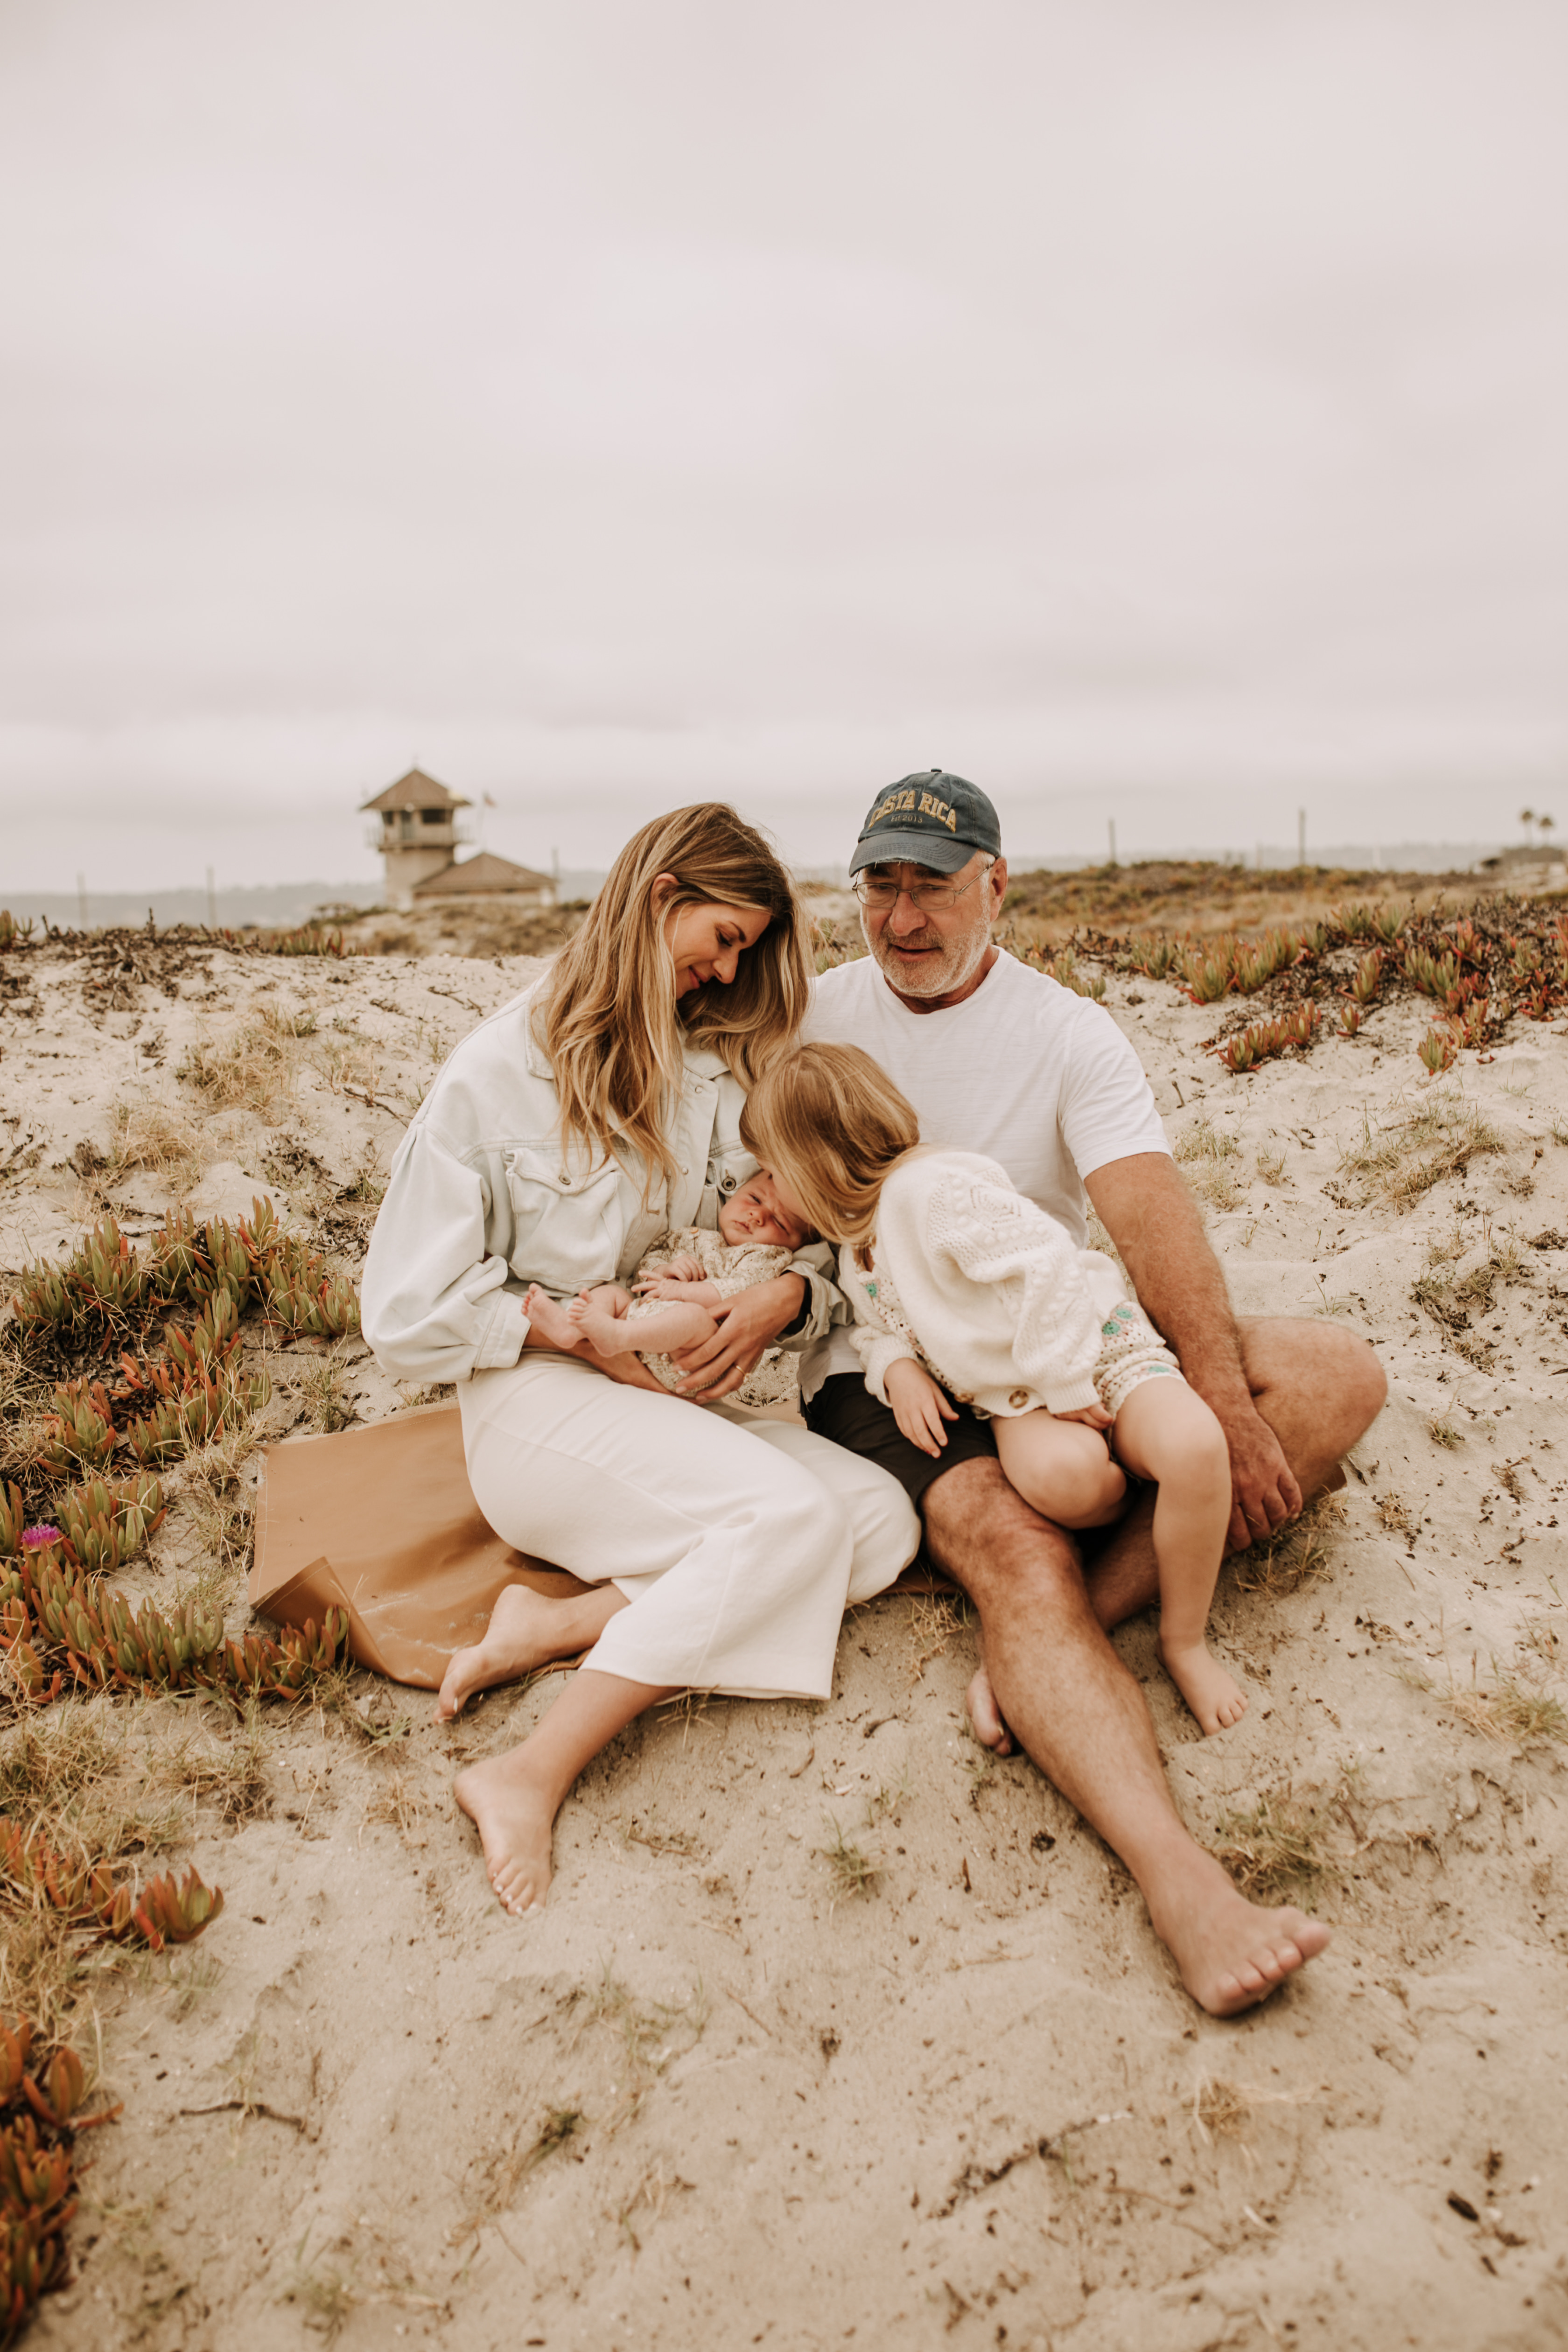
(837, 2030)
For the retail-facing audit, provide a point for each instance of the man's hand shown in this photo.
(919, 1406)
(747, 1324)
(1264, 1492)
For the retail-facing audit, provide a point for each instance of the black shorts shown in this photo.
(844, 1409)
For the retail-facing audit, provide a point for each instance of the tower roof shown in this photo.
(484, 875)
(413, 791)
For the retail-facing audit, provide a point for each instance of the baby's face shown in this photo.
(758, 1213)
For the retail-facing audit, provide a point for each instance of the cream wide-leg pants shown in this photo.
(737, 1541)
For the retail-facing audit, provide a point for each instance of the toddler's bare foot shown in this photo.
(986, 1716)
(513, 1817)
(523, 1634)
(551, 1319)
(1209, 1691)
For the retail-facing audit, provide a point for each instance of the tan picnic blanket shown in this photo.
(382, 1522)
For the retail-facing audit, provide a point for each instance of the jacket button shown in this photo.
(565, 1178)
(1018, 1400)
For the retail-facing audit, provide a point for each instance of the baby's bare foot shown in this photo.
(1215, 1698)
(513, 1819)
(986, 1716)
(551, 1319)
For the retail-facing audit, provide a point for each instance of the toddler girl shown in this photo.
(963, 1288)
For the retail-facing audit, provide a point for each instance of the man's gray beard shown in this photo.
(960, 963)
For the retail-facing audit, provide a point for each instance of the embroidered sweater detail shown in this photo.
(998, 1300)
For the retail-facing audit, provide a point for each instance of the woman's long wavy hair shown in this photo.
(609, 1020)
(833, 1125)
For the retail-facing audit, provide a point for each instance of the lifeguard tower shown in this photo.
(416, 825)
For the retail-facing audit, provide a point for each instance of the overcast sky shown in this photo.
(1150, 408)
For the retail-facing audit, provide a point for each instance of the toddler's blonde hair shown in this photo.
(833, 1126)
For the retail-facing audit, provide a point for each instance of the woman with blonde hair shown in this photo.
(565, 1133)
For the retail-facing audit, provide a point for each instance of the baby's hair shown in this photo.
(834, 1126)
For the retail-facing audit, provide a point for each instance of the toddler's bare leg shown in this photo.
(1062, 1467)
(1166, 1431)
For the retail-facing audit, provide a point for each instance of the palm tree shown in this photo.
(1527, 818)
(1546, 824)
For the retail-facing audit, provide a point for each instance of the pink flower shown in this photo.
(35, 1538)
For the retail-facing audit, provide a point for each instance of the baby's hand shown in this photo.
(1093, 1416)
(666, 1285)
(684, 1267)
(919, 1407)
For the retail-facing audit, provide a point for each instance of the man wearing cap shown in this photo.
(998, 1059)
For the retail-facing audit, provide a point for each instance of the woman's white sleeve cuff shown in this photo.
(501, 1343)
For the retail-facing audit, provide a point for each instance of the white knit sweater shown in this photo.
(1006, 1308)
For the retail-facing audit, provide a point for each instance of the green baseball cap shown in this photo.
(931, 818)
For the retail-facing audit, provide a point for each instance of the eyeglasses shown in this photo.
(925, 898)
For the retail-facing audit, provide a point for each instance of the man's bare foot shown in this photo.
(525, 1631)
(513, 1817)
(1232, 1953)
(986, 1716)
(1214, 1697)
(551, 1319)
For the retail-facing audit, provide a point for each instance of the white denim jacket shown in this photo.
(483, 1200)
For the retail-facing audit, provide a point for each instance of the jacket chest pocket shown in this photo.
(568, 1217)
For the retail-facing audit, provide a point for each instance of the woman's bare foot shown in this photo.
(526, 1631)
(513, 1816)
(1209, 1691)
(551, 1319)
(1231, 1953)
(986, 1716)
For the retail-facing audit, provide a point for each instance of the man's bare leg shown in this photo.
(1319, 1390)
(1078, 1712)
(512, 1799)
(527, 1631)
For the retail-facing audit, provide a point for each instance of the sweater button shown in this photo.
(1018, 1400)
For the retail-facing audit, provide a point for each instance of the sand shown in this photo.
(724, 2092)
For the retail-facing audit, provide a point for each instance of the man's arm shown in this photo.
(1150, 1215)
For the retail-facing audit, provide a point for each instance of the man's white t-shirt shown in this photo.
(1025, 1071)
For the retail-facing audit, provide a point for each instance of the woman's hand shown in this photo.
(748, 1324)
(919, 1407)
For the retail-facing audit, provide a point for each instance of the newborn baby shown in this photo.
(676, 1282)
